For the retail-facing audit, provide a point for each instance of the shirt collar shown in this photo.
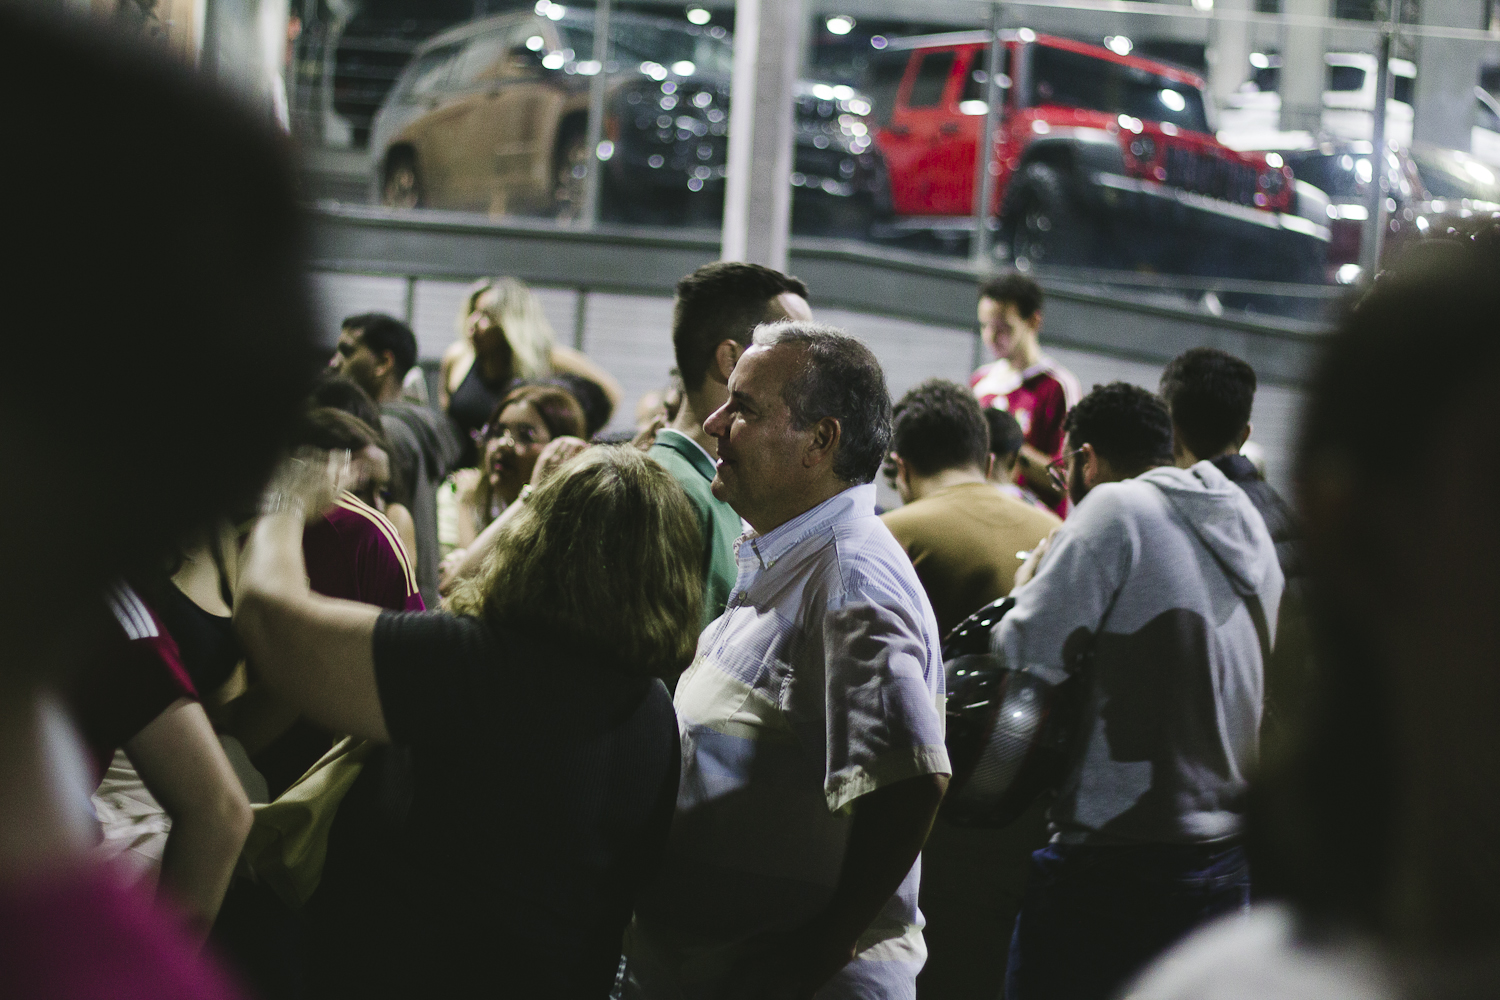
(761, 551)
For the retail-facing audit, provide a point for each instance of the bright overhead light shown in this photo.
(535, 43)
(840, 24)
(553, 60)
(698, 15)
(1119, 44)
(1203, 4)
(1259, 60)
(556, 11)
(684, 68)
(1172, 99)
(1274, 161)
(542, 6)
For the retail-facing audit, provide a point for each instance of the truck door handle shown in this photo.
(949, 128)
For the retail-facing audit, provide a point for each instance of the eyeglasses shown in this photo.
(521, 435)
(1057, 470)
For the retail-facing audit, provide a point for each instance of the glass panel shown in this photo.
(429, 74)
(883, 80)
(1402, 87)
(482, 60)
(932, 79)
(975, 89)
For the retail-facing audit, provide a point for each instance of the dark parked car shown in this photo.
(492, 116)
(1103, 160)
(1344, 171)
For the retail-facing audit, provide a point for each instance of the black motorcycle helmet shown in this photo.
(1007, 737)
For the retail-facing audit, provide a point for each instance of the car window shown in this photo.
(1346, 78)
(882, 81)
(633, 43)
(1450, 174)
(1337, 174)
(974, 98)
(1267, 78)
(932, 79)
(1077, 80)
(482, 60)
(1401, 88)
(431, 71)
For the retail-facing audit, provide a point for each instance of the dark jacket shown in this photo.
(1280, 519)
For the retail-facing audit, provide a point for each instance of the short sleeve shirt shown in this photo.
(354, 553)
(544, 779)
(1039, 398)
(822, 682)
(127, 684)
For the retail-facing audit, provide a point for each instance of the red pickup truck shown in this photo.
(1101, 160)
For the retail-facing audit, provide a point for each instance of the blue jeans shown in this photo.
(1093, 916)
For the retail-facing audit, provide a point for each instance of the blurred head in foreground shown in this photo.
(158, 321)
(1385, 816)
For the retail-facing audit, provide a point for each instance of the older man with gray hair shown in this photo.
(811, 719)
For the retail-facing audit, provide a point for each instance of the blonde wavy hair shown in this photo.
(606, 555)
(519, 315)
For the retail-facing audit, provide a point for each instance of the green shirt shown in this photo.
(721, 526)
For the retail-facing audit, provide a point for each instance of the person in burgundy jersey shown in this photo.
(1023, 381)
(139, 410)
(135, 694)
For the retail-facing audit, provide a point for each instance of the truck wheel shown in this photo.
(403, 185)
(1044, 227)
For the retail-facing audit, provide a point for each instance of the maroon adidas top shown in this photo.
(135, 677)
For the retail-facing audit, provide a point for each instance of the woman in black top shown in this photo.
(544, 748)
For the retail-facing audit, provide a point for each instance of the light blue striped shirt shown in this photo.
(821, 682)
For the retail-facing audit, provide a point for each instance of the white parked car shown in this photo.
(1348, 100)
(1484, 141)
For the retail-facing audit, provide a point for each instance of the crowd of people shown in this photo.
(664, 717)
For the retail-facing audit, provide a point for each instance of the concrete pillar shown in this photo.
(757, 191)
(1447, 72)
(1229, 49)
(1303, 73)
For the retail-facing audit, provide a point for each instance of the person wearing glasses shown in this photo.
(1156, 605)
(522, 425)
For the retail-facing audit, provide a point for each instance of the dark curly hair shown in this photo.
(938, 425)
(1209, 394)
(1128, 426)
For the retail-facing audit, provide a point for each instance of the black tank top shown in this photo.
(210, 649)
(470, 406)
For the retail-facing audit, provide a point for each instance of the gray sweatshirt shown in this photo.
(1154, 580)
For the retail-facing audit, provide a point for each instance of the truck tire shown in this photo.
(1044, 227)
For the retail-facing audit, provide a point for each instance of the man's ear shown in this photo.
(1093, 466)
(824, 442)
(726, 356)
(385, 362)
(1036, 321)
(1242, 437)
(989, 465)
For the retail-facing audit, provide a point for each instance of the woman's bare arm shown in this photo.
(179, 758)
(314, 652)
(573, 362)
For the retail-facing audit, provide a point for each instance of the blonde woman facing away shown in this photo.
(544, 747)
(504, 336)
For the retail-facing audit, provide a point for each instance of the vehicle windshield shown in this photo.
(1075, 80)
(1339, 175)
(1449, 174)
(633, 43)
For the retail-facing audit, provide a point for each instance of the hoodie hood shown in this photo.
(1223, 518)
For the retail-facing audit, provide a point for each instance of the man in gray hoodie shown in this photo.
(1154, 605)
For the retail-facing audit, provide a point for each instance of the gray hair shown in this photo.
(840, 379)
